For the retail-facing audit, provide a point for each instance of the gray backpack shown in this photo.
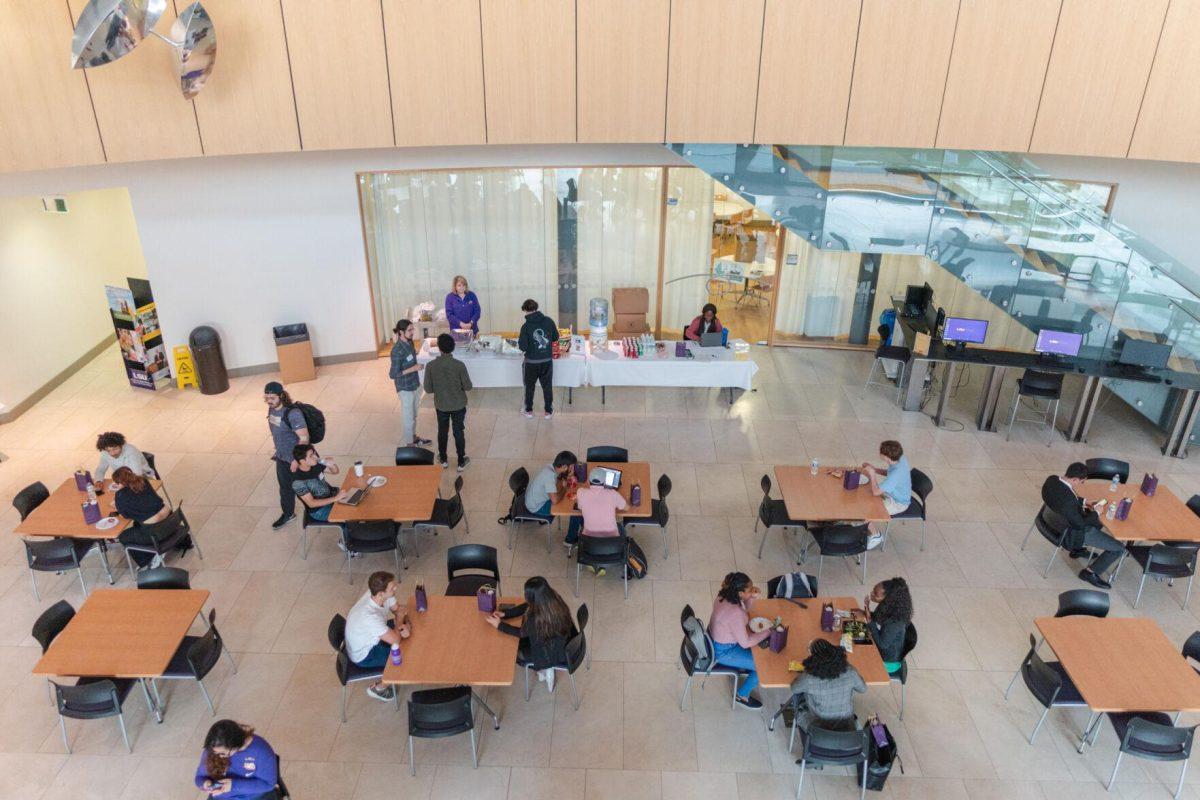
(697, 637)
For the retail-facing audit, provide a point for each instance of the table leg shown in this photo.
(943, 398)
(150, 702)
(918, 372)
(1093, 724)
(104, 559)
(570, 395)
(1085, 407)
(487, 708)
(989, 398)
(602, 396)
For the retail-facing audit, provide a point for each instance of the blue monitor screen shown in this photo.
(1061, 343)
(970, 331)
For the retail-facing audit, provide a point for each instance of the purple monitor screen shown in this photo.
(971, 331)
(1062, 343)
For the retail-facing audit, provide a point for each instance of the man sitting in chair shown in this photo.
(1060, 494)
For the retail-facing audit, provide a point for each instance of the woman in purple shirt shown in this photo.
(462, 307)
(236, 764)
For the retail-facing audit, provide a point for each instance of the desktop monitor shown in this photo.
(1058, 343)
(1140, 353)
(968, 331)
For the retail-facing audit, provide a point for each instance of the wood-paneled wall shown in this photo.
(1086, 77)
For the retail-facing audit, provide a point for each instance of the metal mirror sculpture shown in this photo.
(110, 29)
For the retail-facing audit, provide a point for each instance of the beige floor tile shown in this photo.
(656, 733)
(464, 783)
(708, 785)
(90, 777)
(616, 784)
(546, 784)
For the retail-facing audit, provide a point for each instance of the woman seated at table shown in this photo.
(707, 322)
(889, 621)
(137, 500)
(462, 307)
(545, 629)
(237, 764)
(115, 453)
(309, 484)
(729, 628)
(827, 687)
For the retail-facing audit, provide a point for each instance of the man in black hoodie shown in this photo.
(538, 335)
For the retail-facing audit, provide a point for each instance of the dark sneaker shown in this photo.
(284, 519)
(1094, 579)
(385, 694)
(750, 702)
(464, 463)
(1079, 552)
(443, 461)
(419, 442)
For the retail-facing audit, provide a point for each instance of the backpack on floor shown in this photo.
(635, 560)
(314, 420)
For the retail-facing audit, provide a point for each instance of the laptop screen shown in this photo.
(1145, 354)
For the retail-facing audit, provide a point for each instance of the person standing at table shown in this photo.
(729, 627)
(136, 500)
(892, 483)
(405, 372)
(237, 764)
(115, 452)
(375, 623)
(827, 686)
(447, 379)
(545, 629)
(1084, 529)
(462, 307)
(707, 322)
(889, 621)
(538, 335)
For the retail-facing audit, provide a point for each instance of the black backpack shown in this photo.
(314, 420)
(636, 563)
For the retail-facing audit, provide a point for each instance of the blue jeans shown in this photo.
(320, 514)
(573, 528)
(738, 657)
(377, 657)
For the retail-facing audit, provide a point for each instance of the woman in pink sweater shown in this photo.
(730, 631)
(707, 322)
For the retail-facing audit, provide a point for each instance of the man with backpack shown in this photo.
(289, 428)
(538, 335)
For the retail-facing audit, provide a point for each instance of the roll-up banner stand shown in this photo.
(135, 319)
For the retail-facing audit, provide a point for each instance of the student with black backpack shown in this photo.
(289, 423)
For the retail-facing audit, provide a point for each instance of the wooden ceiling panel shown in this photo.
(1168, 127)
(623, 70)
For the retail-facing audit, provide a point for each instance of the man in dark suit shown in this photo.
(1060, 494)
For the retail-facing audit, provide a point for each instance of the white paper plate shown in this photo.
(112, 487)
(107, 523)
(377, 480)
(759, 624)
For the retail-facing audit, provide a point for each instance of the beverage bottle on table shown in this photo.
(635, 495)
(1116, 481)
(396, 655)
(1111, 513)
(91, 492)
(814, 467)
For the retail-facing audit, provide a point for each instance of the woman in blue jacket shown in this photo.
(237, 764)
(462, 307)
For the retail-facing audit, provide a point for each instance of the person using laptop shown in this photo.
(548, 487)
(375, 623)
(599, 505)
(891, 482)
(707, 322)
(1061, 495)
(309, 484)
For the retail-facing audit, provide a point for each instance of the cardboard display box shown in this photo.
(629, 324)
(634, 300)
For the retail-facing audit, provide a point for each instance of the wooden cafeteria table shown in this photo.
(61, 515)
(804, 625)
(1161, 518)
(821, 497)
(631, 472)
(408, 495)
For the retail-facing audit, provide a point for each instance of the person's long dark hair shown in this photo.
(548, 615)
(825, 660)
(227, 734)
(130, 479)
(734, 583)
(896, 605)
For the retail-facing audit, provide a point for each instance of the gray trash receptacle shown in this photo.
(294, 350)
(210, 364)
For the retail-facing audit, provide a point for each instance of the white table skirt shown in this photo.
(710, 367)
(492, 371)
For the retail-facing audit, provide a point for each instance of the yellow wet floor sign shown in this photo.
(185, 370)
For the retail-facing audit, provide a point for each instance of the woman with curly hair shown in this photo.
(889, 621)
(237, 764)
(729, 627)
(827, 687)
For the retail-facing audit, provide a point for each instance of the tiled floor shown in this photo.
(976, 594)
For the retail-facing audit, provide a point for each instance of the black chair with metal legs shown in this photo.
(607, 452)
(378, 536)
(518, 482)
(164, 578)
(1193, 503)
(888, 352)
(1038, 385)
(162, 484)
(93, 698)
(702, 662)
(922, 487)
(30, 498)
(602, 552)
(577, 652)
(659, 513)
(772, 514)
(447, 513)
(1107, 469)
(194, 659)
(480, 557)
(1072, 603)
(440, 713)
(57, 555)
(307, 520)
(1191, 650)
(836, 749)
(166, 535)
(413, 457)
(842, 541)
(901, 675)
(48, 626)
(1053, 529)
(347, 671)
(281, 790)
(1150, 735)
(1164, 562)
(1049, 684)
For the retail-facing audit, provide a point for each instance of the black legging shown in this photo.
(285, 476)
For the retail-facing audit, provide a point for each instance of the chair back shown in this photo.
(777, 586)
(150, 461)
(1043, 682)
(695, 652)
(601, 550)
(164, 578)
(51, 622)
(1156, 741)
(1041, 383)
(91, 700)
(480, 557)
(1170, 560)
(170, 531)
(910, 641)
(413, 457)
(1050, 524)
(454, 506)
(1083, 603)
(1194, 504)
(824, 746)
(922, 486)
(52, 554)
(581, 616)
(205, 652)
(576, 651)
(30, 498)
(607, 452)
(842, 540)
(365, 534)
(337, 632)
(433, 713)
(1191, 648)
(1106, 469)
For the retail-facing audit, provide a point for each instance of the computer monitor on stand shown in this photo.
(1053, 344)
(964, 331)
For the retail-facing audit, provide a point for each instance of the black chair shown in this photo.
(347, 671)
(888, 352)
(1150, 735)
(843, 541)
(602, 552)
(518, 482)
(157, 474)
(166, 535)
(57, 555)
(1083, 603)
(48, 626)
(30, 498)
(1053, 528)
(577, 651)
(1194, 504)
(281, 790)
(447, 513)
(471, 557)
(1191, 649)
(307, 520)
(1049, 684)
(439, 713)
(659, 513)
(922, 487)
(901, 675)
(1039, 385)
(835, 748)
(164, 578)
(93, 698)
(772, 513)
(1164, 562)
(701, 661)
(1107, 469)
(413, 457)
(377, 536)
(607, 452)
(195, 658)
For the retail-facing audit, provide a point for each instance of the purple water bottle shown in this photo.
(635, 495)
(827, 617)
(422, 600)
(396, 656)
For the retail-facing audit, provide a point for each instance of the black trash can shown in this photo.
(210, 364)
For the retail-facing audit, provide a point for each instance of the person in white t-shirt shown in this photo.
(374, 624)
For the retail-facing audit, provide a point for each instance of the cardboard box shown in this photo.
(634, 300)
(629, 324)
(296, 362)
